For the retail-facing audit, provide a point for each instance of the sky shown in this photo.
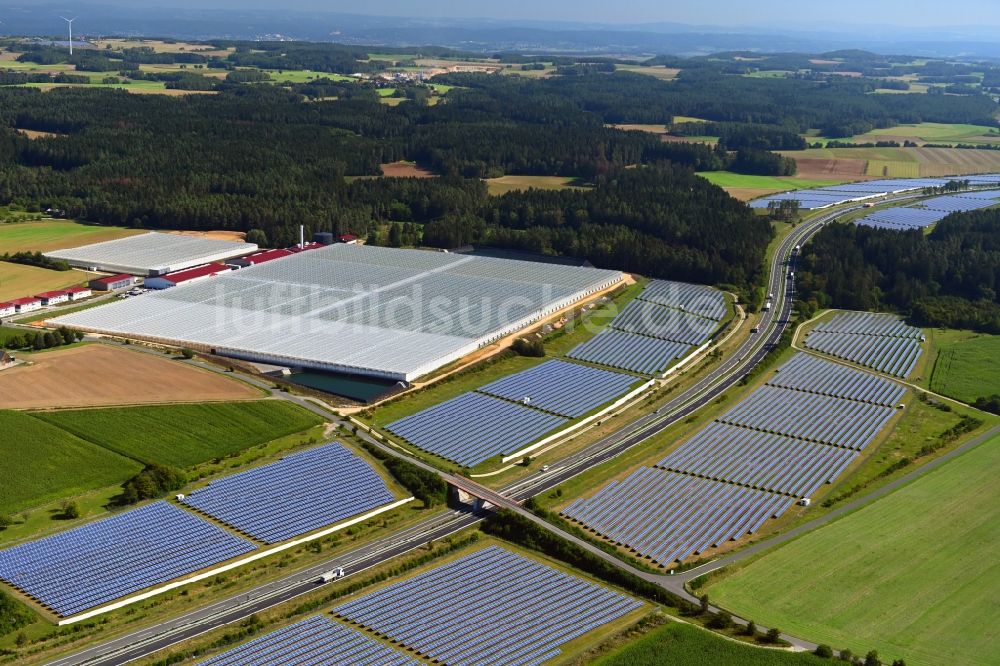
(784, 13)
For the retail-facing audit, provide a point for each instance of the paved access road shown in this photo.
(146, 641)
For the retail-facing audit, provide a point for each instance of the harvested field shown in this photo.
(35, 134)
(100, 375)
(405, 170)
(506, 184)
(657, 72)
(897, 162)
(837, 169)
(652, 129)
(236, 236)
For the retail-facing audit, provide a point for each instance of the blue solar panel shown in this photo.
(814, 375)
(566, 389)
(838, 194)
(317, 641)
(112, 558)
(296, 495)
(474, 427)
(657, 321)
(637, 353)
(879, 341)
(491, 607)
(694, 298)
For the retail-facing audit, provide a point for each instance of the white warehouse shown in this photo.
(151, 254)
(387, 313)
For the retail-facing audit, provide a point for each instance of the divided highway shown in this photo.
(143, 642)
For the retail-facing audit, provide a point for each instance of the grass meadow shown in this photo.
(912, 575)
(686, 645)
(17, 280)
(44, 463)
(183, 435)
(743, 181)
(967, 365)
(46, 235)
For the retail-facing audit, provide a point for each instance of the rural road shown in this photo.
(729, 371)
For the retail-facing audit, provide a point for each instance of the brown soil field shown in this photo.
(35, 134)
(237, 236)
(405, 170)
(954, 161)
(816, 168)
(749, 193)
(98, 375)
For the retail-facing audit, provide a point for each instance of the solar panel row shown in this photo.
(317, 641)
(814, 375)
(565, 389)
(832, 195)
(667, 516)
(628, 351)
(928, 212)
(879, 341)
(657, 321)
(787, 437)
(91, 565)
(759, 460)
(694, 298)
(474, 427)
(295, 495)
(490, 607)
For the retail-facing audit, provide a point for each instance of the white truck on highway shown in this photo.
(331, 575)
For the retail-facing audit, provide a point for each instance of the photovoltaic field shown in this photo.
(296, 495)
(91, 565)
(317, 641)
(878, 341)
(832, 195)
(661, 325)
(800, 430)
(508, 414)
(491, 607)
(929, 212)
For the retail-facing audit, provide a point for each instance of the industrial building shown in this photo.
(354, 309)
(112, 282)
(151, 254)
(186, 276)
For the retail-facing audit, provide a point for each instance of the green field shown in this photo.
(913, 575)
(44, 463)
(183, 435)
(933, 133)
(685, 645)
(742, 181)
(505, 184)
(46, 235)
(17, 280)
(967, 365)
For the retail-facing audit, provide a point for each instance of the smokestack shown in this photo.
(302, 236)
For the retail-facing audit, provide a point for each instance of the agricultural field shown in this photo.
(896, 162)
(931, 133)
(17, 280)
(966, 365)
(44, 463)
(750, 187)
(854, 582)
(657, 72)
(183, 435)
(64, 378)
(405, 170)
(506, 184)
(45, 235)
(687, 645)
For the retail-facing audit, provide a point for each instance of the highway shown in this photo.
(727, 373)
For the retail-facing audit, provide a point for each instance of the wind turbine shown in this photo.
(70, 22)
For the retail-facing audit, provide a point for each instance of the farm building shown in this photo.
(151, 254)
(186, 276)
(7, 309)
(112, 282)
(379, 312)
(258, 258)
(27, 304)
(53, 297)
(79, 293)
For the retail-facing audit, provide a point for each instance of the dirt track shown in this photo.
(99, 375)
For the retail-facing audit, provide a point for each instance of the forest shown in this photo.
(948, 278)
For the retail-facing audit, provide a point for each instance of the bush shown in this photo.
(527, 347)
(721, 620)
(187, 353)
(824, 651)
(13, 615)
(426, 486)
(70, 510)
(773, 635)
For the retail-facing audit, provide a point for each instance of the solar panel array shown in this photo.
(386, 312)
(627, 351)
(662, 324)
(802, 429)
(879, 341)
(474, 427)
(297, 494)
(930, 211)
(91, 565)
(490, 607)
(832, 195)
(565, 389)
(317, 641)
(667, 516)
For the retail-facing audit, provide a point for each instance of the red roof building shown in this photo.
(27, 304)
(186, 275)
(307, 246)
(53, 297)
(113, 282)
(77, 293)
